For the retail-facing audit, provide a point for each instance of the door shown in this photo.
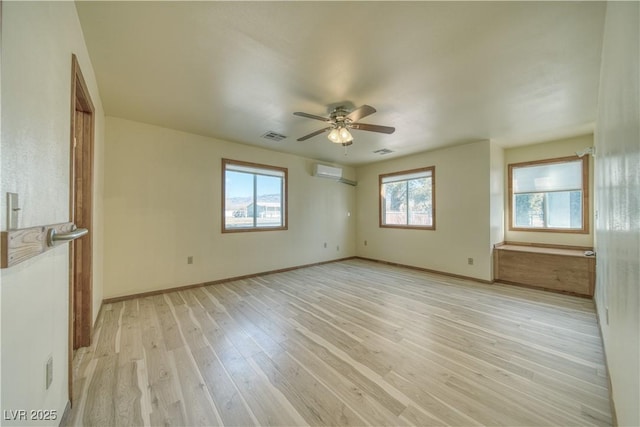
(81, 213)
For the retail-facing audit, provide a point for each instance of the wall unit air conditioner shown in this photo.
(324, 171)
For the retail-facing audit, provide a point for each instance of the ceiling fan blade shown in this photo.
(361, 112)
(311, 116)
(311, 135)
(372, 128)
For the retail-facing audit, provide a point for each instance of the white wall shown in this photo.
(38, 39)
(618, 206)
(549, 150)
(497, 207)
(463, 211)
(163, 204)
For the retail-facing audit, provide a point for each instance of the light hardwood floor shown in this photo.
(346, 343)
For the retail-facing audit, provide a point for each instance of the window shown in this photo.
(407, 199)
(254, 197)
(549, 195)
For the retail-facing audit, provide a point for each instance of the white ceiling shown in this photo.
(441, 73)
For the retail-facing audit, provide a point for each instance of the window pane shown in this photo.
(548, 177)
(238, 197)
(420, 202)
(564, 209)
(529, 210)
(407, 199)
(395, 203)
(269, 201)
(254, 196)
(549, 195)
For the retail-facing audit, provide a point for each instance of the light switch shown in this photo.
(12, 211)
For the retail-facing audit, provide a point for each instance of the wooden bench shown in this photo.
(559, 268)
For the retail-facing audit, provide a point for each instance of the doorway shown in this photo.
(81, 214)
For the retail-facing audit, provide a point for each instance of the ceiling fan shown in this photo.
(341, 120)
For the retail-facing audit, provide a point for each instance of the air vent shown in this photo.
(383, 151)
(273, 136)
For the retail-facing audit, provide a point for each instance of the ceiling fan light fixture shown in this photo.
(345, 135)
(334, 136)
(340, 135)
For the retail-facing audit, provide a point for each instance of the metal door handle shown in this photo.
(53, 237)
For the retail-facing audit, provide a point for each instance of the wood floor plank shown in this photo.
(128, 411)
(200, 409)
(417, 417)
(170, 330)
(247, 338)
(346, 343)
(101, 391)
(492, 375)
(165, 405)
(189, 329)
(260, 396)
(170, 415)
(130, 343)
(430, 401)
(368, 408)
(226, 396)
(107, 340)
(314, 401)
(359, 373)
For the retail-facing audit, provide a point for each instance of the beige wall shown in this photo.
(38, 39)
(463, 211)
(618, 206)
(496, 193)
(163, 204)
(549, 150)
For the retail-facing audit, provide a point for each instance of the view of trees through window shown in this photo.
(548, 194)
(551, 210)
(407, 199)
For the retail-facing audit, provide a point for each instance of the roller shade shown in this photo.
(564, 176)
(253, 170)
(405, 177)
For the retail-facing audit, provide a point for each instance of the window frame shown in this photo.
(381, 177)
(285, 198)
(585, 195)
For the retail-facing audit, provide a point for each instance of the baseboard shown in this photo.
(426, 270)
(228, 279)
(540, 288)
(64, 419)
(614, 418)
(95, 322)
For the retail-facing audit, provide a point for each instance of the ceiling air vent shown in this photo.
(383, 151)
(273, 136)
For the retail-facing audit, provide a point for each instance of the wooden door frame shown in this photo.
(82, 293)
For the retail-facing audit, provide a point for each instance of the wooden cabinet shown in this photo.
(561, 269)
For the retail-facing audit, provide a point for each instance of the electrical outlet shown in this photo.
(190, 260)
(12, 211)
(49, 372)
(470, 261)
